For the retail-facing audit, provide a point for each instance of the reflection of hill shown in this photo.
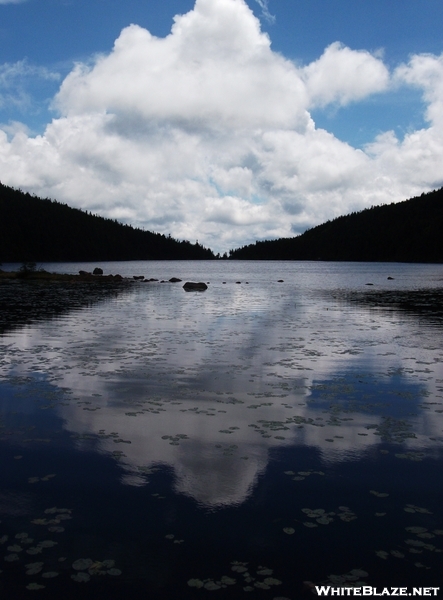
(426, 304)
(408, 231)
(23, 302)
(32, 229)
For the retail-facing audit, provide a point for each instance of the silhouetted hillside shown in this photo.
(409, 231)
(32, 229)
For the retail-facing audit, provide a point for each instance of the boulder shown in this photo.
(97, 271)
(196, 287)
(174, 280)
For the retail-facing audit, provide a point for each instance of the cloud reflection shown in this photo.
(210, 385)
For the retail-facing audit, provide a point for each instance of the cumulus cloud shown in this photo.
(207, 134)
(416, 158)
(425, 71)
(342, 75)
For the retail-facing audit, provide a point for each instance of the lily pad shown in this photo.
(239, 568)
(272, 581)
(359, 573)
(82, 564)
(47, 544)
(81, 577)
(379, 494)
(212, 586)
(264, 571)
(261, 585)
(34, 571)
(197, 583)
(11, 557)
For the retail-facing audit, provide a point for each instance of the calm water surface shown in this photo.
(237, 442)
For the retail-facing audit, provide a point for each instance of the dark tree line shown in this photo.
(409, 231)
(44, 230)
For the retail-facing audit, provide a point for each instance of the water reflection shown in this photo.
(26, 301)
(211, 384)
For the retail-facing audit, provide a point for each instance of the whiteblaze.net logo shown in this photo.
(367, 590)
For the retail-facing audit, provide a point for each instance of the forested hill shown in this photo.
(32, 229)
(409, 231)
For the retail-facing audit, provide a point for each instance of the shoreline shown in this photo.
(45, 276)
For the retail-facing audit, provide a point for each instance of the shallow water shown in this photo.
(207, 439)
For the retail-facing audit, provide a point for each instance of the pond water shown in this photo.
(237, 442)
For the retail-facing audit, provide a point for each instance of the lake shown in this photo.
(281, 429)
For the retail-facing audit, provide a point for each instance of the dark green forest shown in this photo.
(44, 230)
(408, 231)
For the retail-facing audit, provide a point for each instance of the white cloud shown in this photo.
(425, 71)
(264, 5)
(206, 133)
(416, 158)
(10, 72)
(15, 79)
(342, 75)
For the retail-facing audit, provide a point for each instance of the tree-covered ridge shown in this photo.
(409, 231)
(44, 230)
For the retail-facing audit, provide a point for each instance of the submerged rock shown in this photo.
(174, 280)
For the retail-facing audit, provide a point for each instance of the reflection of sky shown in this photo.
(236, 371)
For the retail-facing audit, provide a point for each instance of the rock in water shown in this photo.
(191, 286)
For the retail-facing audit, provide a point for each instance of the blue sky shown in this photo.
(358, 85)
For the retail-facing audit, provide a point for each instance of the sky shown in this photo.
(222, 121)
